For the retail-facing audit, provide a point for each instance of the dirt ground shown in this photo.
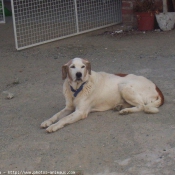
(105, 143)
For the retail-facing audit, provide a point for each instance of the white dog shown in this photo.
(86, 91)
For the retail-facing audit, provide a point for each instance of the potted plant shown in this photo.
(145, 12)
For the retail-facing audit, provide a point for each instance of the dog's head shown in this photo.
(76, 70)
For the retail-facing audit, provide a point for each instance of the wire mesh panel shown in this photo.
(2, 15)
(40, 21)
(95, 13)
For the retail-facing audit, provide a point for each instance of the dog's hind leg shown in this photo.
(131, 110)
(150, 109)
(131, 97)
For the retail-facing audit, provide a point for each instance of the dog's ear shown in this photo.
(64, 71)
(88, 65)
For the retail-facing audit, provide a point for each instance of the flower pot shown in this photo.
(145, 21)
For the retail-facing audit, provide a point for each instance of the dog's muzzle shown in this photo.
(78, 75)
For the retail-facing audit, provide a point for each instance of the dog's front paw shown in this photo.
(123, 112)
(53, 128)
(46, 123)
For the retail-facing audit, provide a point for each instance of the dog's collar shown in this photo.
(76, 92)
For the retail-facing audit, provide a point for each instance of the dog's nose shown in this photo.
(78, 74)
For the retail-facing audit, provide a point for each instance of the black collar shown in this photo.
(76, 92)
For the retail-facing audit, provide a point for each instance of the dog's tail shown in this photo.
(153, 106)
(150, 109)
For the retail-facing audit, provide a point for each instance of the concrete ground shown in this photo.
(105, 143)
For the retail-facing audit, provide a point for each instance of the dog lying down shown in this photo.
(87, 91)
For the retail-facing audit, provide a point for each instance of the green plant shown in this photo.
(147, 6)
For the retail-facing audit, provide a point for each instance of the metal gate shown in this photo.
(41, 21)
(2, 15)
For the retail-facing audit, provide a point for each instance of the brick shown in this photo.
(127, 18)
(127, 11)
(126, 5)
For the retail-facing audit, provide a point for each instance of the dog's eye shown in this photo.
(72, 67)
(82, 66)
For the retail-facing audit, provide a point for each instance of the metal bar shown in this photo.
(14, 25)
(67, 36)
(2, 13)
(76, 15)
